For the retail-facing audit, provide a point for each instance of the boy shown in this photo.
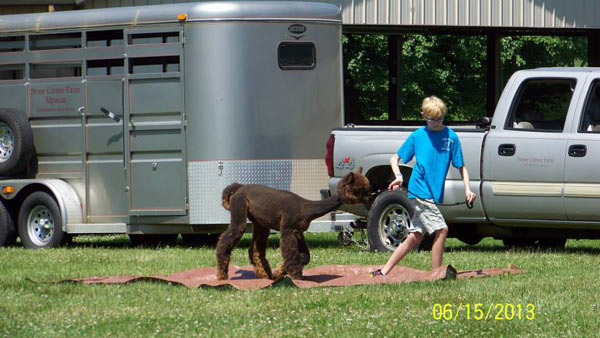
(435, 146)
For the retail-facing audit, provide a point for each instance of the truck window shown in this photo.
(541, 105)
(296, 55)
(590, 120)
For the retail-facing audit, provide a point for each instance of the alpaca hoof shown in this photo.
(222, 276)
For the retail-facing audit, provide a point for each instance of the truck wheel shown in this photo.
(16, 143)
(40, 222)
(388, 220)
(8, 234)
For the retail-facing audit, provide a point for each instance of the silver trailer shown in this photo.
(133, 119)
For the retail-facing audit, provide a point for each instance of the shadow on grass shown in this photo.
(501, 248)
(122, 241)
(329, 240)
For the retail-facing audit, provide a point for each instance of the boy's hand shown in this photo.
(396, 183)
(470, 196)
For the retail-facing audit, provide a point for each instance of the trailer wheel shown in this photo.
(40, 222)
(388, 220)
(8, 233)
(16, 143)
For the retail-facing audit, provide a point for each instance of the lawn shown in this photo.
(563, 286)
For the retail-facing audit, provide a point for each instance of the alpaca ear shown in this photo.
(349, 178)
(359, 170)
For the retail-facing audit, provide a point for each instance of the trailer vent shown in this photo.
(106, 38)
(52, 70)
(12, 72)
(55, 41)
(105, 67)
(162, 64)
(12, 44)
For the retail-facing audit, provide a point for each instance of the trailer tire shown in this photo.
(40, 222)
(16, 143)
(8, 233)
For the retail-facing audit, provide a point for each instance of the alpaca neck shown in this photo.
(320, 208)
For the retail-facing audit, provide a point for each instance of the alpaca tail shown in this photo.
(227, 192)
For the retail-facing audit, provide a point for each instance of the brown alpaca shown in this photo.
(283, 211)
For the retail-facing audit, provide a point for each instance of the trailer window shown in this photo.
(541, 105)
(105, 67)
(12, 44)
(50, 70)
(296, 55)
(156, 37)
(162, 64)
(12, 72)
(55, 41)
(104, 38)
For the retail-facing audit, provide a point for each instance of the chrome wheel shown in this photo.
(394, 223)
(40, 225)
(7, 142)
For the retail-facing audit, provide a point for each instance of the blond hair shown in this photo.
(433, 107)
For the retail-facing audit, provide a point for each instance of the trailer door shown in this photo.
(155, 124)
(107, 179)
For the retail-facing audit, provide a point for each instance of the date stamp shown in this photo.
(479, 311)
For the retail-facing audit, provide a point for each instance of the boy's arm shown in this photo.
(397, 182)
(464, 173)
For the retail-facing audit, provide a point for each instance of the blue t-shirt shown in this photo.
(434, 150)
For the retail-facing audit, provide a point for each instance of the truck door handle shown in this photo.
(507, 149)
(577, 150)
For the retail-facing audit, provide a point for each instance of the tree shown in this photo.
(451, 67)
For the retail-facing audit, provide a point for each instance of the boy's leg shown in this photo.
(434, 223)
(404, 248)
(437, 250)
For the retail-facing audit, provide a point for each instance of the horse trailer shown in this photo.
(132, 120)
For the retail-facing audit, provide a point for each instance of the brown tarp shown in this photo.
(327, 275)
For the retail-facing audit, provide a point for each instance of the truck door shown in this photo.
(582, 179)
(525, 158)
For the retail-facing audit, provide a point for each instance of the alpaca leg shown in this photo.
(303, 249)
(257, 251)
(230, 238)
(292, 262)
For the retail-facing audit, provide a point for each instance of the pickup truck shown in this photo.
(535, 166)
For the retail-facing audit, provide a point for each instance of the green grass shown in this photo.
(563, 285)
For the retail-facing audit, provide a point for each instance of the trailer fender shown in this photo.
(68, 201)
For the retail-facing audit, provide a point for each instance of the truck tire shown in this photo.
(388, 220)
(8, 233)
(16, 143)
(40, 222)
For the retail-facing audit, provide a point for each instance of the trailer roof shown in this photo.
(197, 11)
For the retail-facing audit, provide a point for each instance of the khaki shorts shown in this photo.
(427, 216)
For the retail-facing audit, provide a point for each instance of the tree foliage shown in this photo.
(451, 67)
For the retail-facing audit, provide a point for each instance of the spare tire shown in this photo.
(16, 143)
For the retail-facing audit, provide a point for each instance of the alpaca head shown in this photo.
(354, 188)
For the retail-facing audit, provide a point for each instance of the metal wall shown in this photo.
(482, 13)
